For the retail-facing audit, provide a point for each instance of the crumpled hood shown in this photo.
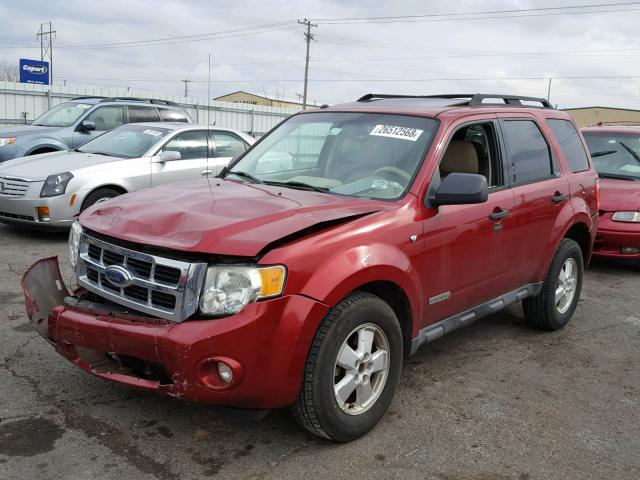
(220, 217)
(38, 167)
(618, 195)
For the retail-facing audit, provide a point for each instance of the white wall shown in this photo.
(18, 99)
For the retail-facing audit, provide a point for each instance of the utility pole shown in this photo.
(309, 36)
(549, 91)
(186, 87)
(46, 50)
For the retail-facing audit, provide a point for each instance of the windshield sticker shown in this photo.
(83, 105)
(379, 184)
(155, 133)
(631, 168)
(390, 131)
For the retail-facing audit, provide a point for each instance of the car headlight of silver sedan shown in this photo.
(6, 141)
(56, 184)
(74, 243)
(228, 289)
(632, 217)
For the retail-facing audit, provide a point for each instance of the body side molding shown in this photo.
(439, 329)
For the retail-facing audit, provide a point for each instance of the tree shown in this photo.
(9, 72)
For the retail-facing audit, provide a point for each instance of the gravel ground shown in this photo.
(494, 401)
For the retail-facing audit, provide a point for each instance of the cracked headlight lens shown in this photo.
(229, 289)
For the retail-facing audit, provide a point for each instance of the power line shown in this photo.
(542, 11)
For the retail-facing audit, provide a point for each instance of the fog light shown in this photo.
(43, 214)
(630, 250)
(226, 374)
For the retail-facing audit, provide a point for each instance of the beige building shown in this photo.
(253, 99)
(587, 116)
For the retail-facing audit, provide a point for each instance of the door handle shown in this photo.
(206, 172)
(558, 197)
(499, 214)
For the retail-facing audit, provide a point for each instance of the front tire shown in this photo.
(352, 369)
(100, 195)
(553, 307)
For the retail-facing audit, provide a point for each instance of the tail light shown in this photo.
(597, 194)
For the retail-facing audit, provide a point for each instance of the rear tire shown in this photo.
(352, 369)
(100, 195)
(553, 307)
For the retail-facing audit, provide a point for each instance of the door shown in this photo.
(467, 247)
(540, 193)
(105, 118)
(193, 148)
(226, 146)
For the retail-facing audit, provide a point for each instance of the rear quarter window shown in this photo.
(570, 144)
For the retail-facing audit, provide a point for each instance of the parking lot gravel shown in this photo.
(495, 401)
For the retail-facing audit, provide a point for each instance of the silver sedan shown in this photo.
(48, 190)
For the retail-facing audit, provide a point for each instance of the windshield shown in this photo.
(63, 115)
(361, 154)
(127, 141)
(615, 155)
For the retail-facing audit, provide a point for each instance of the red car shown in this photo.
(332, 249)
(616, 155)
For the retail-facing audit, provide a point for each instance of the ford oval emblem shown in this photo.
(118, 276)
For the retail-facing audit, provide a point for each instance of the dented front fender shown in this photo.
(43, 290)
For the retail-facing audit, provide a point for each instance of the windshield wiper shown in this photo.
(635, 156)
(616, 177)
(245, 175)
(302, 185)
(603, 153)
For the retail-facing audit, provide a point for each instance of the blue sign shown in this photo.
(34, 71)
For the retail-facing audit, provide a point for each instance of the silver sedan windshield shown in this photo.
(361, 154)
(127, 141)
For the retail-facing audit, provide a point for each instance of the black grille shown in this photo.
(111, 258)
(94, 251)
(142, 268)
(167, 274)
(136, 292)
(165, 300)
(92, 275)
(15, 216)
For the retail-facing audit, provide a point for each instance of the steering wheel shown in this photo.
(395, 173)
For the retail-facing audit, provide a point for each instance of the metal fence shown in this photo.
(22, 103)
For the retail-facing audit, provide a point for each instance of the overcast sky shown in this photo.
(347, 59)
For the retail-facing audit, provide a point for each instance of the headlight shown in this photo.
(74, 243)
(633, 217)
(6, 141)
(228, 289)
(55, 185)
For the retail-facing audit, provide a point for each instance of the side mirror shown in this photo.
(460, 189)
(169, 156)
(87, 125)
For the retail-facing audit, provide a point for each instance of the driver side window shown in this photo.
(107, 117)
(473, 149)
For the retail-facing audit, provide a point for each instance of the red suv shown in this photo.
(616, 155)
(332, 249)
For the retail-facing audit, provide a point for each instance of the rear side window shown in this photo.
(142, 114)
(173, 116)
(227, 145)
(570, 144)
(527, 151)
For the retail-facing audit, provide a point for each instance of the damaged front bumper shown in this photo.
(266, 344)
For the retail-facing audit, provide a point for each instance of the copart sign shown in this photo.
(34, 71)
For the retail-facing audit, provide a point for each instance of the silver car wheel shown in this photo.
(361, 369)
(566, 286)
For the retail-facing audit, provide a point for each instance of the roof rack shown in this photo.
(470, 99)
(155, 101)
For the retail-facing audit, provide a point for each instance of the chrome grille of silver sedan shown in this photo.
(159, 286)
(13, 187)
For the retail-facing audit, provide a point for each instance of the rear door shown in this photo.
(193, 147)
(540, 193)
(226, 146)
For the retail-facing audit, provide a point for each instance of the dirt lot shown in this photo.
(495, 401)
